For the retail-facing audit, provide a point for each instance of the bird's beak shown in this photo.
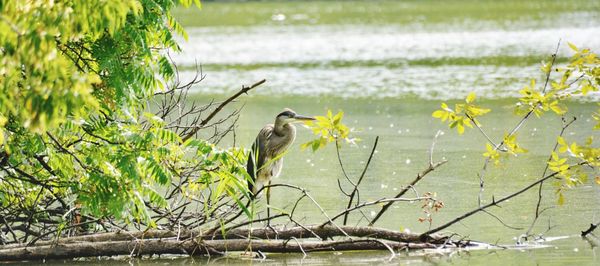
(304, 118)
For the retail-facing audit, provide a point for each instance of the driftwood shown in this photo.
(323, 232)
(195, 247)
(295, 239)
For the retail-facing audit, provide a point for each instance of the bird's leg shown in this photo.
(269, 204)
(269, 210)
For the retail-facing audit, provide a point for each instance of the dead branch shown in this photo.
(244, 89)
(420, 176)
(300, 232)
(494, 202)
(193, 247)
(590, 229)
(375, 202)
(432, 166)
(360, 179)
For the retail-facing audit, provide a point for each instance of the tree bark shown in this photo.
(194, 247)
(323, 232)
(294, 239)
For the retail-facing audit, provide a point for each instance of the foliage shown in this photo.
(430, 206)
(577, 78)
(75, 128)
(595, 116)
(495, 154)
(68, 58)
(328, 128)
(462, 115)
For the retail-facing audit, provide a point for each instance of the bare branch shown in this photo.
(590, 229)
(244, 89)
(362, 175)
(494, 202)
(420, 176)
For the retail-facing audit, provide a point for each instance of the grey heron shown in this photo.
(266, 157)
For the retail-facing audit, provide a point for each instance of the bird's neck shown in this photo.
(284, 129)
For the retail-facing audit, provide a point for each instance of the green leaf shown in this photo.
(161, 175)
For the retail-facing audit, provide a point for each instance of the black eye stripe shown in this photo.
(286, 113)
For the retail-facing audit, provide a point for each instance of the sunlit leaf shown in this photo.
(470, 97)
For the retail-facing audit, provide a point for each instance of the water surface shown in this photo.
(388, 64)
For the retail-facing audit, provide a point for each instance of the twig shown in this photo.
(589, 230)
(311, 198)
(9, 228)
(393, 254)
(437, 134)
(502, 222)
(339, 157)
(376, 202)
(406, 189)
(481, 175)
(255, 221)
(539, 200)
(483, 133)
(432, 166)
(362, 175)
(494, 202)
(300, 246)
(244, 89)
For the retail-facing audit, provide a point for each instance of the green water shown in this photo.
(387, 65)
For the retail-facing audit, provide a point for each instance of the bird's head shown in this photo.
(289, 116)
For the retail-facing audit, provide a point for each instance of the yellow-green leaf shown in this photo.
(460, 128)
(573, 47)
(561, 198)
(470, 97)
(438, 114)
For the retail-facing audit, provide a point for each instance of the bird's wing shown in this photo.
(258, 153)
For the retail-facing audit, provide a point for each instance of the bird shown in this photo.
(265, 159)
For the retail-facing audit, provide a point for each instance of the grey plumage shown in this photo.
(266, 156)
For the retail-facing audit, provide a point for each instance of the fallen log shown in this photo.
(194, 247)
(193, 242)
(314, 231)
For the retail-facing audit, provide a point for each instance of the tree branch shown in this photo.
(494, 203)
(244, 89)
